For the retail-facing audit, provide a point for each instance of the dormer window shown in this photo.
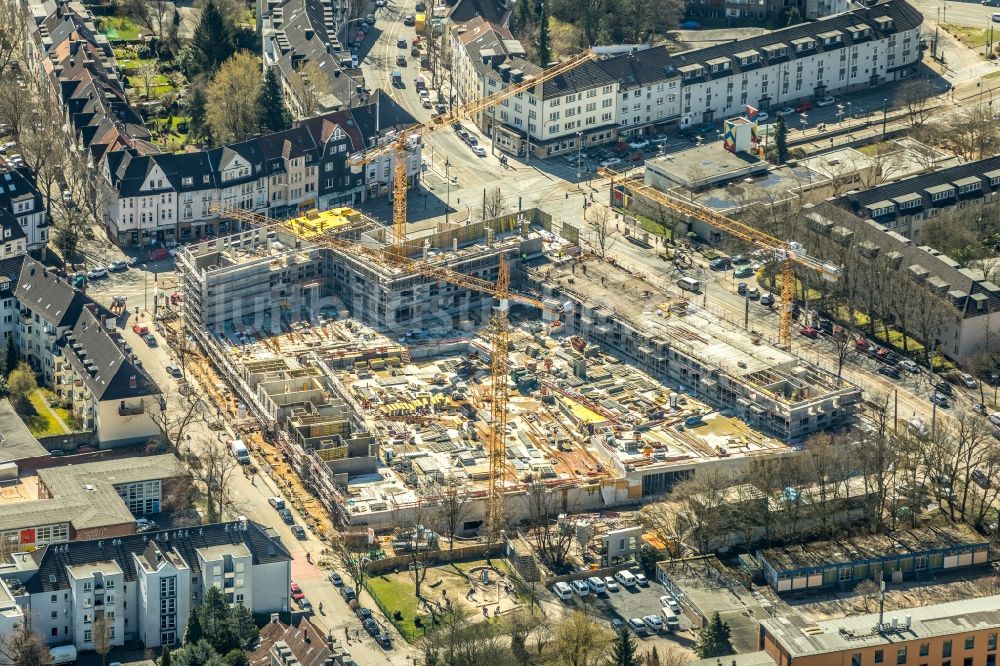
(187, 180)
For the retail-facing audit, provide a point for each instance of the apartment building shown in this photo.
(146, 584)
(625, 95)
(903, 206)
(972, 301)
(73, 345)
(957, 632)
(751, 12)
(300, 39)
(167, 198)
(23, 224)
(11, 615)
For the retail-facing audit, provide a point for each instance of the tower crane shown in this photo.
(499, 356)
(790, 253)
(398, 146)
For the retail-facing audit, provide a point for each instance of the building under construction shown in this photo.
(377, 379)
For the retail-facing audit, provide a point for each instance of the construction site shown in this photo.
(378, 378)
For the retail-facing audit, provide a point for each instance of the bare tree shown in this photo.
(13, 35)
(579, 641)
(16, 103)
(888, 160)
(707, 519)
(353, 562)
(868, 590)
(24, 647)
(147, 74)
(974, 133)
(552, 539)
(929, 315)
(102, 632)
(916, 95)
(602, 230)
(215, 468)
(494, 205)
(309, 86)
(177, 414)
(179, 500)
(420, 542)
(451, 510)
(842, 345)
(519, 625)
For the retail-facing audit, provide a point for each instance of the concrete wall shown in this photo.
(116, 430)
(271, 587)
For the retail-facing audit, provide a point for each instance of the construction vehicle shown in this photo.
(789, 253)
(398, 146)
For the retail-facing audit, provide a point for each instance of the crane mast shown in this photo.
(499, 362)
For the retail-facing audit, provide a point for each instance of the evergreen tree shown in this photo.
(11, 357)
(165, 657)
(543, 38)
(193, 633)
(623, 649)
(714, 640)
(242, 626)
(236, 657)
(653, 658)
(272, 115)
(213, 42)
(521, 16)
(781, 140)
(196, 109)
(214, 613)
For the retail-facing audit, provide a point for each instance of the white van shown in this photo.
(240, 451)
(670, 619)
(563, 591)
(580, 587)
(596, 585)
(689, 284)
(63, 654)
(625, 578)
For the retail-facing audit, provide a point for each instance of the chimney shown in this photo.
(132, 383)
(274, 618)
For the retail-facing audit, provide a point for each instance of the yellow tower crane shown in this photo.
(499, 357)
(789, 252)
(398, 146)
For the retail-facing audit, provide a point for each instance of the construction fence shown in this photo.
(431, 558)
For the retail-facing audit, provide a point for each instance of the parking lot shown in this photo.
(635, 602)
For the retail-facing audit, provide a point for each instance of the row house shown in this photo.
(756, 12)
(624, 95)
(146, 585)
(74, 347)
(23, 224)
(167, 198)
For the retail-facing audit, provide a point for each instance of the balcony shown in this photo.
(130, 410)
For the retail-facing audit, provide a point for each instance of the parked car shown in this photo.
(890, 371)
(384, 641)
(611, 162)
(348, 594)
(669, 601)
(370, 625)
(97, 273)
(159, 254)
(826, 101)
(174, 371)
(401, 43)
(149, 339)
(610, 584)
(787, 111)
(641, 579)
(980, 478)
(654, 623)
(741, 288)
(336, 579)
(276, 502)
(743, 272)
(809, 332)
(144, 525)
(995, 418)
(479, 151)
(638, 625)
(409, 19)
(940, 400)
(297, 593)
(286, 516)
(945, 388)
(979, 408)
(803, 107)
(639, 145)
(580, 587)
(767, 298)
(762, 117)
(968, 380)
(909, 365)
(753, 293)
(363, 613)
(298, 532)
(118, 266)
(720, 264)
(616, 625)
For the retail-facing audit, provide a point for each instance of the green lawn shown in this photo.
(992, 75)
(159, 85)
(38, 417)
(396, 594)
(876, 148)
(119, 28)
(971, 37)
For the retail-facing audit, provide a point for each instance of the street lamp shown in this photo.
(885, 110)
(803, 118)
(447, 178)
(579, 155)
(840, 113)
(145, 284)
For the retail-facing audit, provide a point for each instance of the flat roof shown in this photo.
(705, 164)
(800, 636)
(16, 441)
(84, 494)
(819, 554)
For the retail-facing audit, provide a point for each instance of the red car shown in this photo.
(159, 254)
(809, 332)
(297, 593)
(804, 106)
